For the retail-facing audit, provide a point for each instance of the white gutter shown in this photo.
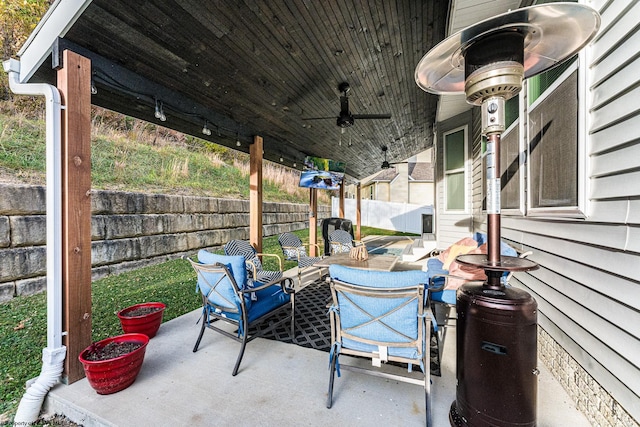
(54, 354)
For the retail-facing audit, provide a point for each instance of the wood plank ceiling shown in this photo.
(263, 67)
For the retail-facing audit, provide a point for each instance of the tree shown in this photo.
(18, 18)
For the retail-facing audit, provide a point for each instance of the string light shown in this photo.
(205, 129)
(159, 114)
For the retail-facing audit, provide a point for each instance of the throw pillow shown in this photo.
(461, 247)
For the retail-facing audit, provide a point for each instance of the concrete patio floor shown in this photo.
(278, 384)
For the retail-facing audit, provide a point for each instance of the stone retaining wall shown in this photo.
(129, 231)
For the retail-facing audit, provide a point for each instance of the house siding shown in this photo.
(588, 283)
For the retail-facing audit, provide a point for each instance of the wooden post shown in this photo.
(313, 221)
(341, 203)
(358, 235)
(255, 193)
(74, 83)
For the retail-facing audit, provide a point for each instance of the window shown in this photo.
(553, 143)
(455, 154)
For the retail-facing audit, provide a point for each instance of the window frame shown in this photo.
(465, 169)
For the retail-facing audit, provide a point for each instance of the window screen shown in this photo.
(553, 148)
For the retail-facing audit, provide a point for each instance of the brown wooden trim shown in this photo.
(358, 235)
(313, 221)
(255, 193)
(341, 204)
(74, 83)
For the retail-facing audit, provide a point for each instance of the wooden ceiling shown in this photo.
(264, 67)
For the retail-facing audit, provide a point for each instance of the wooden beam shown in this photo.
(341, 204)
(313, 221)
(74, 83)
(255, 193)
(358, 235)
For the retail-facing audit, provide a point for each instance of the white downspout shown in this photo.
(54, 354)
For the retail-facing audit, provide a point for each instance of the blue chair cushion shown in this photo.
(267, 299)
(434, 267)
(447, 296)
(505, 249)
(236, 266)
(403, 320)
(378, 279)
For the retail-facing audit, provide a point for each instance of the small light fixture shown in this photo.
(295, 165)
(94, 89)
(237, 139)
(205, 129)
(281, 159)
(159, 114)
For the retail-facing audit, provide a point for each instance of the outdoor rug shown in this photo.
(313, 329)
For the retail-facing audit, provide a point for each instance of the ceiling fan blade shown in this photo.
(372, 116)
(319, 118)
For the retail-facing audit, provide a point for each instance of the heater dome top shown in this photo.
(552, 33)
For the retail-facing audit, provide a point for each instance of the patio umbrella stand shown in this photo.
(496, 325)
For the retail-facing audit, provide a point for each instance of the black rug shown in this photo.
(313, 329)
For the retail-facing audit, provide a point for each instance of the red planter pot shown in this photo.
(147, 324)
(112, 375)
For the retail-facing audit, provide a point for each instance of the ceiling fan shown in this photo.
(345, 119)
(385, 163)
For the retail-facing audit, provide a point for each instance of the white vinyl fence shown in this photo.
(403, 217)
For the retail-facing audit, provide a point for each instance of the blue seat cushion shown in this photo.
(378, 279)
(434, 267)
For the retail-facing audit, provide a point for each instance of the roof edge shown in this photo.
(55, 23)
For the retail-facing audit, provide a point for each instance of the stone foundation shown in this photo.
(590, 398)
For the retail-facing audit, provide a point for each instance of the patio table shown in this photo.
(374, 262)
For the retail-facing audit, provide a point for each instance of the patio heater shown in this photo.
(496, 326)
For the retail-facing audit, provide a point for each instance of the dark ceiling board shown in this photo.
(265, 66)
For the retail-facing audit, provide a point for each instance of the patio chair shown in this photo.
(445, 277)
(294, 250)
(380, 315)
(222, 283)
(254, 265)
(341, 241)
